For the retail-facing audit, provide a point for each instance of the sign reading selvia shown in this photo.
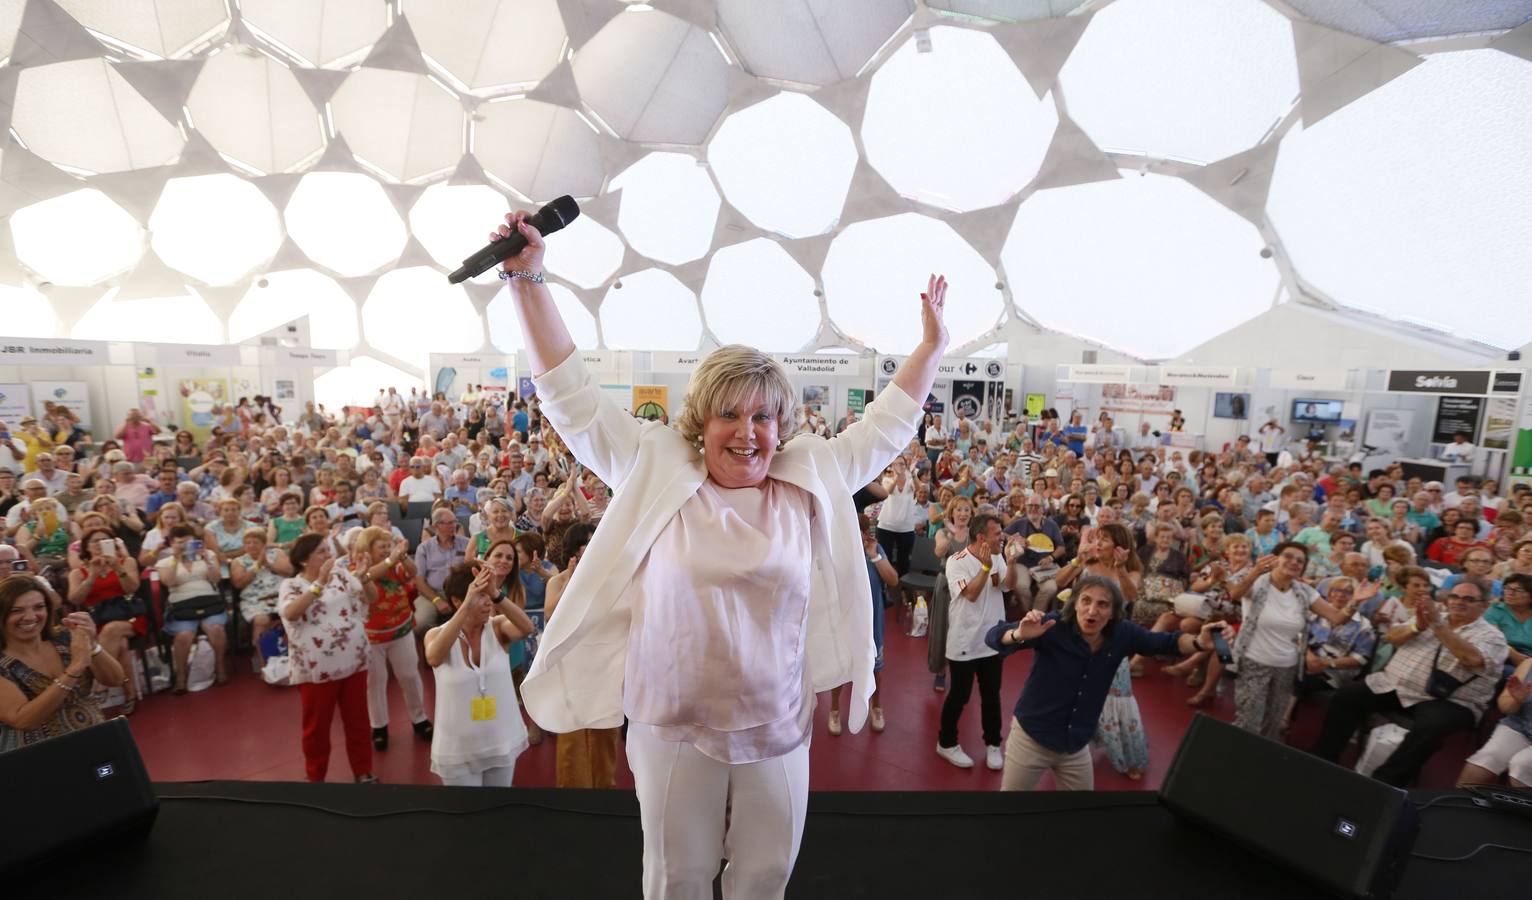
(1435, 381)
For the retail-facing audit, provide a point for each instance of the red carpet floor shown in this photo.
(249, 731)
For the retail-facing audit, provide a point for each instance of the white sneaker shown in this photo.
(833, 724)
(993, 758)
(955, 755)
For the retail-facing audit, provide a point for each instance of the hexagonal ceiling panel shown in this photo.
(248, 233)
(290, 294)
(650, 311)
(47, 235)
(251, 108)
(453, 220)
(1149, 265)
(653, 78)
(344, 222)
(814, 42)
(758, 295)
(155, 28)
(505, 328)
(786, 163)
(106, 125)
(1384, 207)
(333, 34)
(27, 313)
(1190, 79)
(414, 312)
(469, 39)
(585, 253)
(669, 207)
(1006, 10)
(953, 149)
(1400, 20)
(539, 150)
(401, 124)
(166, 320)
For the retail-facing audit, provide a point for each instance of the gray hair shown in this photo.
(1119, 602)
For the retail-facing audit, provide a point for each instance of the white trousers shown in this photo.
(499, 776)
(696, 811)
(398, 654)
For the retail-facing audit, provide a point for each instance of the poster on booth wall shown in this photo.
(1499, 423)
(816, 397)
(857, 400)
(1456, 415)
(198, 397)
(285, 390)
(1154, 399)
(525, 388)
(15, 402)
(651, 401)
(1035, 405)
(151, 399)
(72, 395)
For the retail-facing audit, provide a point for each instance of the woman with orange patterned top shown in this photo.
(377, 560)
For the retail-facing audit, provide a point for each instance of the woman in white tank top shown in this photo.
(479, 732)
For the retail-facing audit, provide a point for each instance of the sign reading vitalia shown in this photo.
(1432, 381)
(1217, 376)
(186, 355)
(51, 352)
(1308, 379)
(1097, 374)
(304, 356)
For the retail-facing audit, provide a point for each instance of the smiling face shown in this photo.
(27, 619)
(739, 443)
(502, 559)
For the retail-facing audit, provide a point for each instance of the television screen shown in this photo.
(1317, 410)
(1230, 406)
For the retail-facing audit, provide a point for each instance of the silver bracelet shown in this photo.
(534, 277)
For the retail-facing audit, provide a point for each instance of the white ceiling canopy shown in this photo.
(293, 293)
(1006, 10)
(814, 42)
(669, 207)
(785, 163)
(876, 270)
(650, 311)
(1196, 80)
(248, 231)
(1149, 264)
(758, 295)
(252, 109)
(332, 34)
(156, 29)
(585, 253)
(956, 149)
(400, 124)
(103, 126)
(539, 150)
(453, 220)
(653, 78)
(27, 313)
(414, 312)
(1399, 20)
(1387, 207)
(345, 222)
(505, 328)
(167, 320)
(489, 46)
(47, 237)
(359, 381)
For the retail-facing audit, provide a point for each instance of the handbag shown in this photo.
(1442, 685)
(197, 608)
(117, 609)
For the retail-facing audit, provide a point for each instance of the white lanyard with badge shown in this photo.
(482, 707)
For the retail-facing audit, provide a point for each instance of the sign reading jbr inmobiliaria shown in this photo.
(52, 352)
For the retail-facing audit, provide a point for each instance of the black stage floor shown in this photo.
(352, 842)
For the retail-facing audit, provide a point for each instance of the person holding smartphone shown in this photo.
(189, 572)
(104, 583)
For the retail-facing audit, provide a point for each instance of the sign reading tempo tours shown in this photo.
(1438, 381)
(52, 352)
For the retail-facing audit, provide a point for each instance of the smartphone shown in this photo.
(106, 549)
(18, 565)
(1221, 647)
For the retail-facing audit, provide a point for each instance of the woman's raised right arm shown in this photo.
(547, 338)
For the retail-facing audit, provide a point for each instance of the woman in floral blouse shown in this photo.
(325, 608)
(377, 560)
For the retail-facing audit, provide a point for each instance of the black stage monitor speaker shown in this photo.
(1348, 834)
(72, 791)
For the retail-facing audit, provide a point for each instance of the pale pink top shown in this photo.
(716, 654)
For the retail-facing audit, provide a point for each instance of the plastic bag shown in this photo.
(920, 618)
(1381, 744)
(201, 668)
(277, 671)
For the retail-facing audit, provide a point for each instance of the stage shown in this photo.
(264, 840)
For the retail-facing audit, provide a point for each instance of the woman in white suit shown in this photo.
(725, 586)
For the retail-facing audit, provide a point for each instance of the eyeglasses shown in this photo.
(1466, 597)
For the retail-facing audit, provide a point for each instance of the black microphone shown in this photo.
(546, 220)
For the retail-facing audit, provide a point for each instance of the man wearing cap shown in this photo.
(35, 439)
(1033, 521)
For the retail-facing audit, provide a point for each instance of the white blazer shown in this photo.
(576, 680)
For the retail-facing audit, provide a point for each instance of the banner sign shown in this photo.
(52, 352)
(651, 401)
(1499, 423)
(673, 363)
(1198, 376)
(857, 400)
(1506, 383)
(72, 395)
(15, 402)
(980, 369)
(1138, 398)
(1309, 379)
(186, 354)
(1096, 374)
(1433, 381)
(1456, 415)
(199, 397)
(821, 364)
(299, 357)
(1035, 403)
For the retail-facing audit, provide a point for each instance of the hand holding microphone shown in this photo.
(519, 242)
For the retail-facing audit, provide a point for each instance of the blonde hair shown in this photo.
(728, 376)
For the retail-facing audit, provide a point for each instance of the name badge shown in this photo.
(482, 709)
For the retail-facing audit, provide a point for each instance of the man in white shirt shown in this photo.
(48, 473)
(977, 577)
(345, 509)
(1460, 450)
(1144, 441)
(1467, 489)
(421, 484)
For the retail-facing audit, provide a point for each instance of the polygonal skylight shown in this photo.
(584, 252)
(248, 233)
(956, 148)
(876, 271)
(539, 150)
(358, 382)
(1415, 201)
(1190, 79)
(651, 311)
(653, 78)
(344, 222)
(505, 328)
(48, 236)
(27, 313)
(454, 220)
(104, 126)
(251, 108)
(816, 43)
(1398, 20)
(785, 163)
(165, 320)
(161, 29)
(414, 312)
(293, 293)
(1149, 265)
(669, 207)
(1006, 10)
(468, 40)
(331, 34)
(399, 123)
(758, 295)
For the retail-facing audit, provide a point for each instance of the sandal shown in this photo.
(127, 707)
(1196, 678)
(1199, 700)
